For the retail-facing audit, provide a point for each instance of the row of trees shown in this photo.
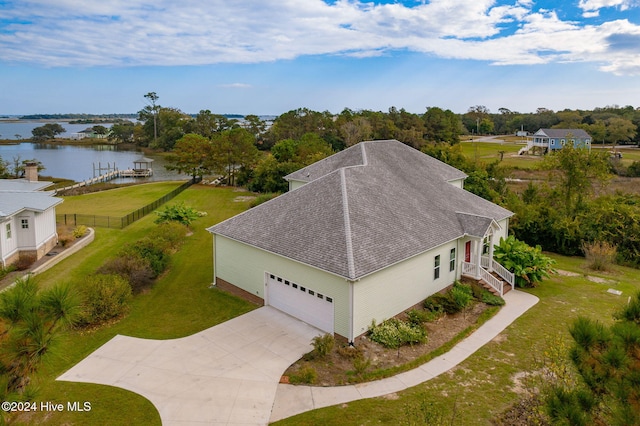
(160, 127)
(611, 124)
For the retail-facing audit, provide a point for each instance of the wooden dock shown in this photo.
(130, 173)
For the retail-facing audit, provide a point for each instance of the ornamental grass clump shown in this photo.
(394, 333)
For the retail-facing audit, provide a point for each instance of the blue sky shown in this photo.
(268, 57)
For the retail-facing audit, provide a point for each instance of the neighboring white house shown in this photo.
(362, 235)
(27, 218)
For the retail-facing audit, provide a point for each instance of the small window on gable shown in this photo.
(24, 223)
(436, 268)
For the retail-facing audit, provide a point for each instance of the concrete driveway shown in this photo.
(227, 374)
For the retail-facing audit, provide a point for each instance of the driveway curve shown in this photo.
(227, 374)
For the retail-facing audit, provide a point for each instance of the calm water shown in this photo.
(77, 162)
(16, 130)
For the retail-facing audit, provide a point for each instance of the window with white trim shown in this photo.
(24, 223)
(436, 268)
(452, 259)
(8, 230)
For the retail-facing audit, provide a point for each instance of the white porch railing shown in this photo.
(498, 269)
(470, 269)
(492, 281)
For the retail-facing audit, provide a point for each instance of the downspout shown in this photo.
(213, 284)
(351, 312)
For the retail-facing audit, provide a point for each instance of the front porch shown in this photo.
(479, 264)
(491, 274)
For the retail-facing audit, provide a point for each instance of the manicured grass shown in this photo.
(490, 151)
(116, 202)
(485, 384)
(180, 304)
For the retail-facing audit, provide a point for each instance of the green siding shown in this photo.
(245, 267)
(388, 292)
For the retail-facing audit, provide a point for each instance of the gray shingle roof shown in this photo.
(364, 209)
(563, 133)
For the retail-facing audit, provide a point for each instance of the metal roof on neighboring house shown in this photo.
(364, 209)
(22, 185)
(563, 133)
(13, 202)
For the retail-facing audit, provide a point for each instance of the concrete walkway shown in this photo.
(292, 400)
(229, 373)
(225, 375)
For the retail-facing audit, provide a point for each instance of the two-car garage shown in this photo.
(300, 301)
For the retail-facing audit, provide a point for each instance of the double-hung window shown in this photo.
(436, 268)
(452, 259)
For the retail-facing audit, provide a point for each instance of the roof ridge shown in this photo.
(347, 225)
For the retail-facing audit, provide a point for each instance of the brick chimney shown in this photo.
(31, 172)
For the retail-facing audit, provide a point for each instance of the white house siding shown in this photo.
(244, 266)
(502, 232)
(458, 183)
(45, 226)
(295, 184)
(390, 291)
(26, 237)
(8, 246)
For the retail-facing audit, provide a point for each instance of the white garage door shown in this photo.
(301, 302)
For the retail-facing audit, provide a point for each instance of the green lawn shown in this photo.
(180, 304)
(484, 385)
(490, 151)
(116, 202)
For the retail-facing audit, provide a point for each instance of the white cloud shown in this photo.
(120, 33)
(236, 86)
(595, 5)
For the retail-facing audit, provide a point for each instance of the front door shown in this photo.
(467, 252)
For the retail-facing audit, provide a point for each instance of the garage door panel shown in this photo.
(301, 302)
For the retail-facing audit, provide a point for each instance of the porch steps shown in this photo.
(506, 287)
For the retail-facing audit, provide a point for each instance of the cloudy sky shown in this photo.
(268, 57)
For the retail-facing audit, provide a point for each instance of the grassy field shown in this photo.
(116, 202)
(487, 382)
(180, 304)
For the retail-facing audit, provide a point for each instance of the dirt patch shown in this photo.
(243, 198)
(339, 366)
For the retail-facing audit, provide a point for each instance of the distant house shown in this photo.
(547, 140)
(88, 133)
(361, 236)
(27, 218)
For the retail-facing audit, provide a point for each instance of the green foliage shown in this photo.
(361, 364)
(142, 261)
(419, 317)
(456, 299)
(306, 375)
(394, 333)
(32, 321)
(178, 212)
(6, 270)
(136, 270)
(607, 389)
(600, 255)
(79, 231)
(527, 263)
(47, 131)
(105, 297)
(322, 345)
(263, 198)
(575, 170)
